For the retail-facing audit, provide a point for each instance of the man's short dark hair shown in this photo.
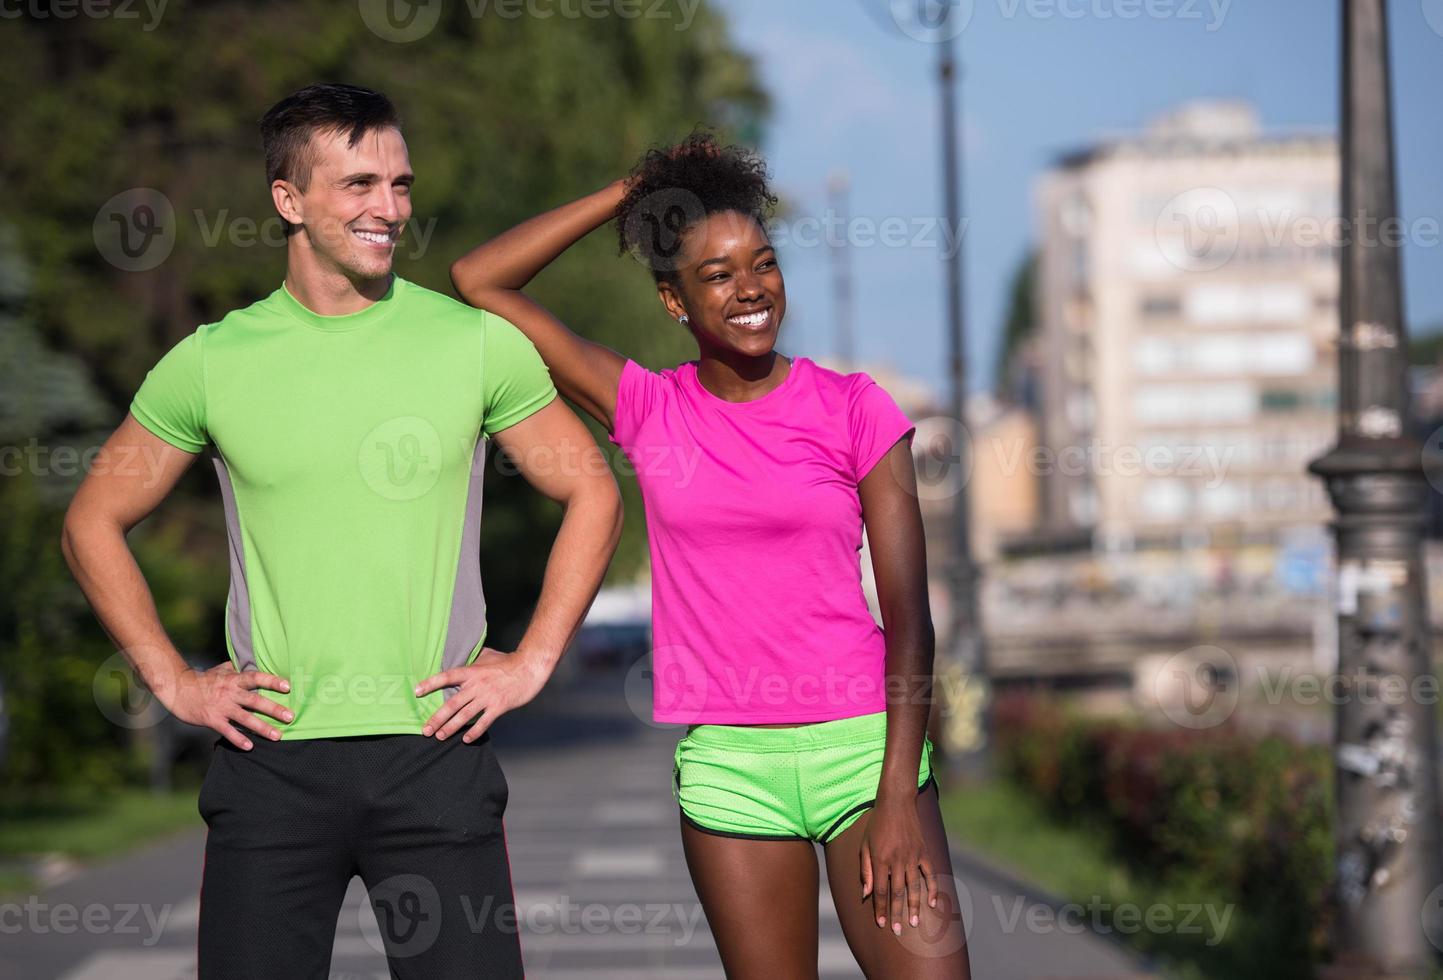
(288, 126)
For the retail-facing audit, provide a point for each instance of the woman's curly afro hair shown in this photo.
(672, 189)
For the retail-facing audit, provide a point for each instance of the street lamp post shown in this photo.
(1386, 760)
(838, 196)
(966, 695)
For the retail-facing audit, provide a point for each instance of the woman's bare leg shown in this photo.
(936, 949)
(760, 899)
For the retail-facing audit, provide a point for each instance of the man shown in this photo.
(346, 415)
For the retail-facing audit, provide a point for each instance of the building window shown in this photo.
(1165, 500)
(1161, 306)
(1280, 400)
(1082, 505)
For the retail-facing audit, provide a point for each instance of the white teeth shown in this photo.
(752, 319)
(374, 238)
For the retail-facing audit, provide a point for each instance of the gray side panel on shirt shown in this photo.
(238, 605)
(468, 600)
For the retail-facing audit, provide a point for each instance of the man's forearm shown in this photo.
(108, 575)
(590, 531)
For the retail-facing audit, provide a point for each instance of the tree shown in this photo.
(1021, 319)
(504, 116)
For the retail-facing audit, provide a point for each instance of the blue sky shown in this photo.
(855, 93)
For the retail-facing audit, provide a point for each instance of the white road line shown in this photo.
(149, 965)
(620, 862)
(645, 812)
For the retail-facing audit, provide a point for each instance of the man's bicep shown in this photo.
(553, 450)
(133, 472)
(515, 381)
(584, 371)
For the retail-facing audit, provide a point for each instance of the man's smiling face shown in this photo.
(356, 201)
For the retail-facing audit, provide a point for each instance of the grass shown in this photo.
(86, 826)
(15, 883)
(998, 819)
(1074, 863)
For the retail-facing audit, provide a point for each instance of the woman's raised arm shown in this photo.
(492, 275)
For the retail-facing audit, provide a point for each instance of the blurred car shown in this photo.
(616, 632)
(611, 646)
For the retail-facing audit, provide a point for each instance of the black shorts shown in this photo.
(291, 822)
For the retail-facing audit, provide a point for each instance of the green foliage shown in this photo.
(87, 825)
(1425, 349)
(504, 117)
(51, 649)
(1021, 317)
(1209, 812)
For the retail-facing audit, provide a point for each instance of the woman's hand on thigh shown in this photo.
(896, 870)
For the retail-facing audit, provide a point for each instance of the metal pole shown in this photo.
(1386, 757)
(967, 728)
(837, 194)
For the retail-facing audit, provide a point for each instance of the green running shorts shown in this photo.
(810, 782)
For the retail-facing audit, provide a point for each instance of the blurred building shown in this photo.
(1425, 382)
(1002, 437)
(922, 404)
(1003, 483)
(1184, 360)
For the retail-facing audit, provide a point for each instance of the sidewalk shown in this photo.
(601, 884)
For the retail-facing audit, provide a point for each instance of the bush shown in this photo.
(1210, 812)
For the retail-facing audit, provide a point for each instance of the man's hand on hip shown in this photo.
(489, 686)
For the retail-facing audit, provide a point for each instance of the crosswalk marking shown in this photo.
(592, 829)
(645, 812)
(133, 965)
(617, 859)
(183, 918)
(620, 862)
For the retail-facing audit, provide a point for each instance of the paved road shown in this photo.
(601, 885)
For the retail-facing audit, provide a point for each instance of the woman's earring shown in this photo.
(684, 320)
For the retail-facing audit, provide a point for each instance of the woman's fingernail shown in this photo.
(914, 921)
(425, 731)
(897, 928)
(881, 921)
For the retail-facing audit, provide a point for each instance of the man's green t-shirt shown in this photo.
(350, 451)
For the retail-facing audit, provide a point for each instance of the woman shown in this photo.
(759, 472)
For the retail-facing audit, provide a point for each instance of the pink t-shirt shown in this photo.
(755, 530)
